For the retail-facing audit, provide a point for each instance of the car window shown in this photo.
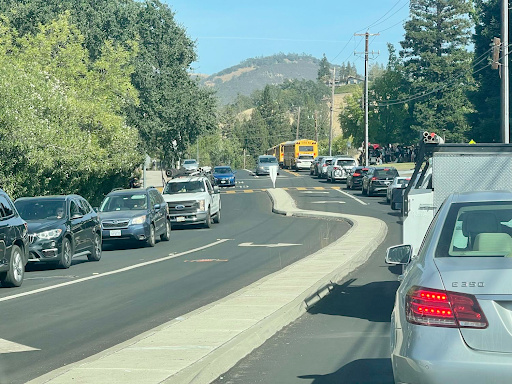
(189, 162)
(152, 198)
(209, 186)
(41, 209)
(184, 187)
(74, 209)
(306, 148)
(6, 207)
(267, 160)
(125, 202)
(346, 163)
(386, 173)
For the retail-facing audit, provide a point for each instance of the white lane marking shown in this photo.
(267, 245)
(351, 196)
(328, 202)
(310, 192)
(7, 346)
(171, 256)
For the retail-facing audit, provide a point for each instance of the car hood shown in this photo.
(36, 226)
(223, 175)
(122, 214)
(185, 197)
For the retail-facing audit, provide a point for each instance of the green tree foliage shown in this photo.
(61, 127)
(435, 58)
(273, 113)
(324, 70)
(352, 117)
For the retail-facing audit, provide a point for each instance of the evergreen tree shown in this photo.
(435, 58)
(324, 70)
(255, 133)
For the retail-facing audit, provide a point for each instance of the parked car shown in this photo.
(355, 177)
(303, 162)
(60, 228)
(398, 182)
(137, 215)
(322, 166)
(377, 179)
(193, 200)
(265, 162)
(455, 292)
(339, 168)
(313, 169)
(224, 176)
(190, 165)
(14, 243)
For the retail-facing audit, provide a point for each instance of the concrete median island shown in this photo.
(203, 344)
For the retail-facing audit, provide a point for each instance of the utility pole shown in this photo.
(244, 159)
(332, 110)
(316, 128)
(366, 70)
(505, 106)
(197, 151)
(298, 124)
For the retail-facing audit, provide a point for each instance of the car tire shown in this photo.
(67, 254)
(95, 254)
(166, 236)
(151, 240)
(216, 218)
(14, 276)
(208, 222)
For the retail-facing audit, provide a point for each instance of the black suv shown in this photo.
(13, 243)
(135, 214)
(61, 228)
(378, 179)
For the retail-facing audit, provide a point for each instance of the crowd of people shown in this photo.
(390, 153)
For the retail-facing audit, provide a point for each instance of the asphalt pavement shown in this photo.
(345, 337)
(61, 316)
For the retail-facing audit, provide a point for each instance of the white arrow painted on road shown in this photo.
(7, 346)
(327, 202)
(267, 245)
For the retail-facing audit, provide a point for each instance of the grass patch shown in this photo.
(348, 88)
(401, 166)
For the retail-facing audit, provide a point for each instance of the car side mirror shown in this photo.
(399, 254)
(234, 172)
(157, 207)
(216, 189)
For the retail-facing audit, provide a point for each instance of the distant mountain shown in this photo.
(255, 73)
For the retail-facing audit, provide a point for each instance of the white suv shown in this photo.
(303, 162)
(192, 200)
(340, 168)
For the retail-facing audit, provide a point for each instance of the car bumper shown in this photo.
(45, 250)
(189, 218)
(379, 188)
(224, 182)
(419, 359)
(303, 166)
(139, 232)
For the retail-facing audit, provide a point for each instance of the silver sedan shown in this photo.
(452, 320)
(398, 182)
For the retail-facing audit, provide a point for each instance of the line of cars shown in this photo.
(57, 229)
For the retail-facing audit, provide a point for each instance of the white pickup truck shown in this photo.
(192, 200)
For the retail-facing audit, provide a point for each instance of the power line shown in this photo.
(380, 18)
(390, 16)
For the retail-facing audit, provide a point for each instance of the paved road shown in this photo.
(132, 290)
(345, 337)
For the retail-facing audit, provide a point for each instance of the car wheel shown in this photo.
(96, 249)
(166, 236)
(216, 218)
(67, 254)
(14, 276)
(208, 222)
(151, 241)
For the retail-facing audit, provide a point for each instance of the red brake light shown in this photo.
(438, 308)
(325, 165)
(408, 179)
(364, 169)
(355, 174)
(386, 169)
(374, 178)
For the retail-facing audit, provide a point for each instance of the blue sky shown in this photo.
(227, 32)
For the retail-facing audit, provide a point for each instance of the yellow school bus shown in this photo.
(296, 148)
(278, 152)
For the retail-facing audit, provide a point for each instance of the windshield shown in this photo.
(41, 209)
(477, 230)
(267, 160)
(124, 202)
(306, 157)
(184, 187)
(222, 170)
(189, 162)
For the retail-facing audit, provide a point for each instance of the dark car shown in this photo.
(355, 177)
(60, 228)
(224, 176)
(378, 179)
(13, 243)
(135, 214)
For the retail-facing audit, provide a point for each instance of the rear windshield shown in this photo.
(41, 209)
(184, 187)
(125, 202)
(477, 230)
(306, 148)
(328, 161)
(267, 160)
(306, 157)
(383, 173)
(346, 163)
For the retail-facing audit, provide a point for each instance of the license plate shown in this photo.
(223, 181)
(116, 233)
(180, 219)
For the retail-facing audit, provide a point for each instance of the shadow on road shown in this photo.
(373, 301)
(357, 371)
(51, 266)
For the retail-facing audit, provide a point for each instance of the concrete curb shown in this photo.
(258, 311)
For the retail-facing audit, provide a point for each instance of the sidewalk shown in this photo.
(201, 345)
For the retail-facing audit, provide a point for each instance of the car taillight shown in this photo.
(336, 168)
(438, 308)
(356, 174)
(325, 165)
(374, 178)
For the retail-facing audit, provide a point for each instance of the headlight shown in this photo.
(201, 205)
(47, 235)
(139, 220)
